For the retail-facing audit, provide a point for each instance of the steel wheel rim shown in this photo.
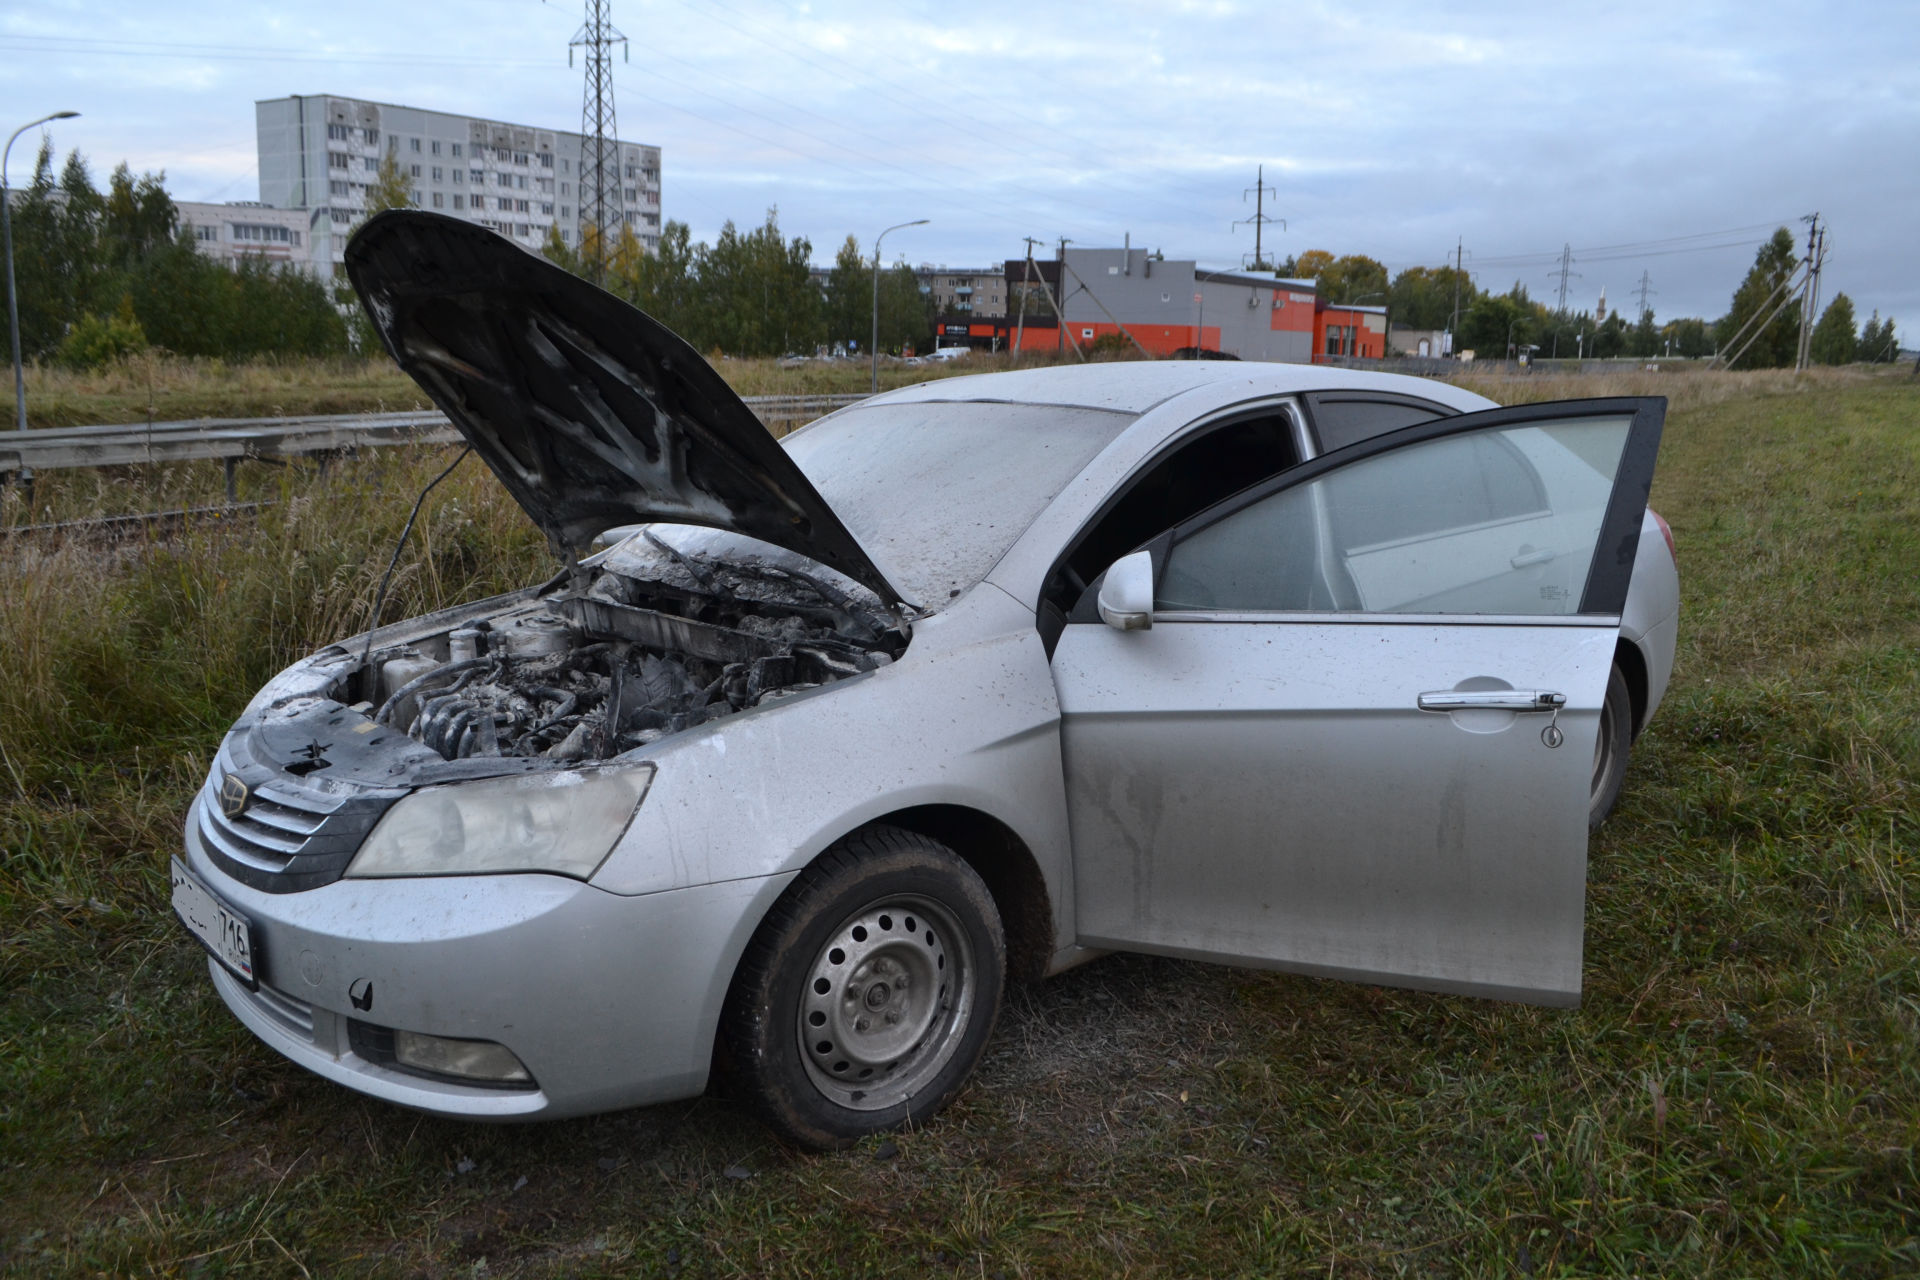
(886, 1002)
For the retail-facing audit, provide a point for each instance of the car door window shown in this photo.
(1502, 520)
(1341, 419)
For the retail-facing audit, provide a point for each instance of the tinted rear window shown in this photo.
(1342, 422)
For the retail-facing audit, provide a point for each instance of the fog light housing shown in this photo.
(481, 1061)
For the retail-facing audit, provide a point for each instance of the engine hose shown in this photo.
(385, 714)
(561, 696)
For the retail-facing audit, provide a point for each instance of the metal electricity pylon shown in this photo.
(598, 189)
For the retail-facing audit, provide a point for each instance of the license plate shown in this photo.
(225, 933)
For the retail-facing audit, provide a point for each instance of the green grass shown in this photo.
(1738, 1095)
(160, 388)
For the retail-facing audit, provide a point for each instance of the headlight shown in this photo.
(563, 822)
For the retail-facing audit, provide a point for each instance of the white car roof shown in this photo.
(1137, 386)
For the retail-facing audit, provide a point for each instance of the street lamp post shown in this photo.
(1386, 339)
(13, 305)
(875, 353)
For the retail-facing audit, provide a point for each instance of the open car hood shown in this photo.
(591, 412)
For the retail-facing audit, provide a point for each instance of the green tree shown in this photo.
(758, 293)
(1485, 328)
(1644, 340)
(1423, 297)
(1879, 341)
(1834, 339)
(849, 299)
(1761, 293)
(1611, 337)
(391, 187)
(1691, 337)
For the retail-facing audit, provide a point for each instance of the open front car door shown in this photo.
(1355, 735)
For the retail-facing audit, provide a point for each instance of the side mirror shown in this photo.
(1126, 597)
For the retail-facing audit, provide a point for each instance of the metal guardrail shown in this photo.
(233, 440)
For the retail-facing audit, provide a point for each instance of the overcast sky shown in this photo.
(1387, 129)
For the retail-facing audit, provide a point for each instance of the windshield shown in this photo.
(937, 492)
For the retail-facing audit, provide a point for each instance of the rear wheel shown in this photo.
(1610, 749)
(866, 997)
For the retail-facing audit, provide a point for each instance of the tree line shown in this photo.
(753, 293)
(103, 274)
(1496, 324)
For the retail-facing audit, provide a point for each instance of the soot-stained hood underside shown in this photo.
(591, 412)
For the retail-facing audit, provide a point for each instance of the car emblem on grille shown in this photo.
(233, 795)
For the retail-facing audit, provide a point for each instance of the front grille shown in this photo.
(288, 837)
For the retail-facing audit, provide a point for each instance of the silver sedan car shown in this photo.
(1271, 665)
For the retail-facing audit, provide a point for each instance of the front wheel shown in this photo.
(868, 993)
(1610, 749)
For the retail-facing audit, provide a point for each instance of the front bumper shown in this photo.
(609, 1001)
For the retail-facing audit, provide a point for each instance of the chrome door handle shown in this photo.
(1526, 558)
(1492, 700)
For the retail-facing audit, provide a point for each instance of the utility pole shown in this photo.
(1646, 290)
(1810, 291)
(1026, 281)
(1459, 251)
(599, 187)
(1566, 270)
(1259, 191)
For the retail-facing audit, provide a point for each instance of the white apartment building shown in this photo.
(320, 153)
(247, 228)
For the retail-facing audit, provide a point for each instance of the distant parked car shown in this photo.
(1273, 665)
(948, 353)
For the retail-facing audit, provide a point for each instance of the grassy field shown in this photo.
(1738, 1095)
(170, 389)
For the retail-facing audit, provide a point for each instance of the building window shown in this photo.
(633, 196)
(502, 154)
(459, 176)
(506, 205)
(520, 206)
(566, 166)
(456, 151)
(413, 144)
(459, 203)
(520, 181)
(418, 198)
(438, 200)
(566, 211)
(436, 173)
(476, 177)
(566, 237)
(547, 209)
(393, 142)
(337, 188)
(544, 184)
(373, 166)
(337, 160)
(436, 146)
(521, 157)
(506, 179)
(372, 137)
(206, 235)
(341, 215)
(338, 133)
(413, 171)
(566, 188)
(546, 159)
(253, 233)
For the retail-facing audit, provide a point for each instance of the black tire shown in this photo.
(868, 993)
(1611, 748)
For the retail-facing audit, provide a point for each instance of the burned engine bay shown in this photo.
(588, 671)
